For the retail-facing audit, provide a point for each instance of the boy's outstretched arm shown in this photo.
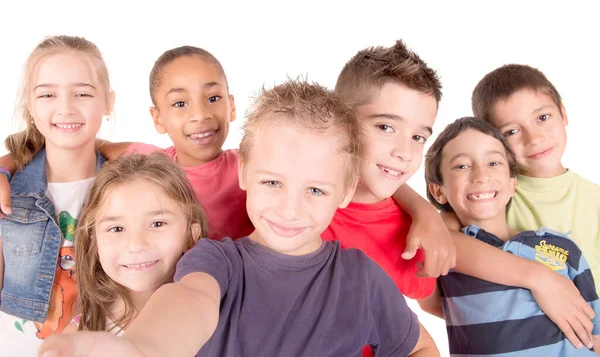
(111, 150)
(177, 321)
(9, 164)
(556, 295)
(427, 232)
(425, 345)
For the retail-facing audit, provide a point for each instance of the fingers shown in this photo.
(581, 332)
(569, 333)
(412, 244)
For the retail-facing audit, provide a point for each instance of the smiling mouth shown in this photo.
(541, 153)
(480, 196)
(204, 135)
(68, 126)
(285, 231)
(392, 173)
(140, 265)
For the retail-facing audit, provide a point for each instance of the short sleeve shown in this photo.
(218, 259)
(395, 328)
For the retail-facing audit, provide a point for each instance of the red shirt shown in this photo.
(217, 187)
(380, 230)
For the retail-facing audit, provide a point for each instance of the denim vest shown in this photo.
(31, 240)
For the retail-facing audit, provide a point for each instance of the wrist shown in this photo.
(535, 275)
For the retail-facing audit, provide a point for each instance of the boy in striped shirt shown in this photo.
(471, 171)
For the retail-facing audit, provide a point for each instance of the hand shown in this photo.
(429, 233)
(562, 303)
(5, 204)
(88, 344)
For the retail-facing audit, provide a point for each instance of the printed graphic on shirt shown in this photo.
(67, 225)
(552, 256)
(63, 300)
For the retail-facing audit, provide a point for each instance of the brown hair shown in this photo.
(504, 81)
(97, 292)
(371, 68)
(433, 159)
(309, 106)
(173, 54)
(24, 145)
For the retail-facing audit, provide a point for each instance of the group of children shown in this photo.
(304, 241)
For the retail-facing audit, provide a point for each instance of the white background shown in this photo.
(262, 43)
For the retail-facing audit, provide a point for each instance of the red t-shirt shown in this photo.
(217, 187)
(380, 230)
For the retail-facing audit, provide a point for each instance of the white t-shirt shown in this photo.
(22, 338)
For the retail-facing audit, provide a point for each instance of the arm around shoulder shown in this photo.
(427, 232)
(111, 150)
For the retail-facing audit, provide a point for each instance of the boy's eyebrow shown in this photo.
(462, 154)
(76, 84)
(149, 214)
(398, 118)
(542, 108)
(181, 89)
(315, 181)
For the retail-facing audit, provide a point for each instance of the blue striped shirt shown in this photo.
(488, 319)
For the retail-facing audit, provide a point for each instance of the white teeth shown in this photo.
(139, 265)
(200, 136)
(392, 172)
(481, 196)
(68, 126)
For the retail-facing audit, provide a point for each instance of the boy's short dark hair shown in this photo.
(433, 159)
(365, 73)
(504, 81)
(173, 54)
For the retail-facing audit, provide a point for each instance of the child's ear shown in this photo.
(232, 113)
(349, 194)
(241, 173)
(197, 232)
(158, 124)
(110, 103)
(563, 113)
(437, 192)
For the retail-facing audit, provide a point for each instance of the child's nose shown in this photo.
(67, 106)
(402, 150)
(291, 206)
(480, 175)
(533, 136)
(199, 113)
(137, 243)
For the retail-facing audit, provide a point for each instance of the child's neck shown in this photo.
(496, 226)
(557, 171)
(67, 165)
(362, 195)
(308, 248)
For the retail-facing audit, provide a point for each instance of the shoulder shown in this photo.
(357, 264)
(220, 259)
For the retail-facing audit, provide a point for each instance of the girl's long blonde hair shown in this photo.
(97, 292)
(24, 145)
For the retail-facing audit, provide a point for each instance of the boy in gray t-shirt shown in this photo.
(282, 291)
